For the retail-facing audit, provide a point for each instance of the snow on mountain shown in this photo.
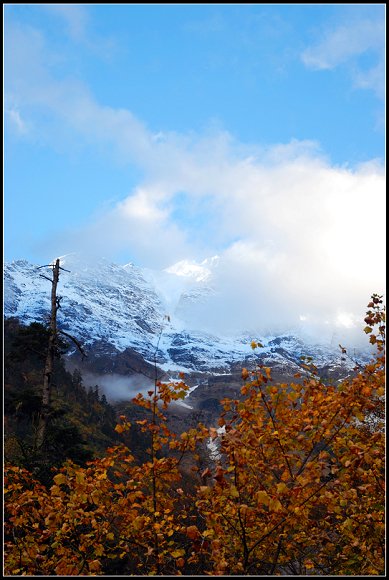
(180, 286)
(123, 307)
(191, 269)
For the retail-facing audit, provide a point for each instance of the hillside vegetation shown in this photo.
(299, 487)
(83, 421)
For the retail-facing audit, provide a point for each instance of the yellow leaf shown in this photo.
(281, 487)
(205, 491)
(95, 565)
(95, 496)
(234, 491)
(380, 392)
(348, 524)
(139, 523)
(119, 429)
(275, 505)
(262, 497)
(60, 478)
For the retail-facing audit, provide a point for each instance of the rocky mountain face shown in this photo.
(120, 314)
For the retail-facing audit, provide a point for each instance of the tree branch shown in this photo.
(79, 346)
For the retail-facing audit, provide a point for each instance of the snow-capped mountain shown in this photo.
(112, 308)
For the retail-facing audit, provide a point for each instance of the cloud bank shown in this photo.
(296, 235)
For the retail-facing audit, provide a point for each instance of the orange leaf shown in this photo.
(192, 532)
(214, 434)
(207, 473)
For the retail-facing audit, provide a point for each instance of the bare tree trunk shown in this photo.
(47, 382)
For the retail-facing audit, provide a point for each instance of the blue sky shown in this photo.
(154, 134)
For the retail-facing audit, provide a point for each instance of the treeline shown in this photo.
(299, 488)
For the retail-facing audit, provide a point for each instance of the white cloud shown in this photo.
(300, 238)
(345, 44)
(339, 45)
(380, 121)
(74, 16)
(372, 79)
(16, 121)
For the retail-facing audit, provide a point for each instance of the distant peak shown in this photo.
(211, 262)
(190, 269)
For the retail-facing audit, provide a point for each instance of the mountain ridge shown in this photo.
(120, 314)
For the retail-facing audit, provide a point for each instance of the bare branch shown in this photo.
(79, 345)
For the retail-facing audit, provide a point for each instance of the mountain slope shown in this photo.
(120, 315)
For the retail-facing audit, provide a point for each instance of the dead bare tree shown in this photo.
(51, 351)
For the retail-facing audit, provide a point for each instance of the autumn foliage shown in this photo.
(299, 488)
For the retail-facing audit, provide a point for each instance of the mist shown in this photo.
(118, 387)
